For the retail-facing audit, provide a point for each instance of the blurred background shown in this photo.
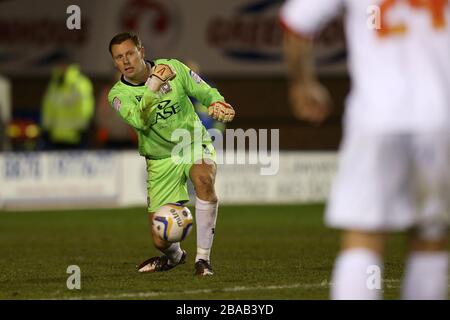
(49, 59)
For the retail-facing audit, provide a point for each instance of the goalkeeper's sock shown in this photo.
(353, 275)
(426, 276)
(173, 253)
(205, 216)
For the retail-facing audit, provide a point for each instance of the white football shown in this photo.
(172, 222)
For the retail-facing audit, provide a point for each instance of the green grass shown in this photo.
(260, 252)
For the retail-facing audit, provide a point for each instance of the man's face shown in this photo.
(128, 59)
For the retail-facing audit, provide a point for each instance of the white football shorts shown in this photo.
(392, 182)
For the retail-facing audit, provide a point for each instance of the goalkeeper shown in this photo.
(153, 97)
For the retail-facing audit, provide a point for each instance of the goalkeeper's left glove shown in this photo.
(221, 111)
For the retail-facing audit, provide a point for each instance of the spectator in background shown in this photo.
(111, 131)
(67, 108)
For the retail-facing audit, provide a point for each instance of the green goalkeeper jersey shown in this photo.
(155, 116)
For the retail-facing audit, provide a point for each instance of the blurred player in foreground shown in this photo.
(153, 97)
(394, 166)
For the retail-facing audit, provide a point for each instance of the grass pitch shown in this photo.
(260, 252)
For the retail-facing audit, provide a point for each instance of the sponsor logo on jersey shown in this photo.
(116, 103)
(166, 109)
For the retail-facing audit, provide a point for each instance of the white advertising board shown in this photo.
(59, 179)
(118, 179)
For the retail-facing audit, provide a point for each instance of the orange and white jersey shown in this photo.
(399, 59)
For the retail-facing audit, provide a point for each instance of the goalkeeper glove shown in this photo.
(161, 73)
(221, 111)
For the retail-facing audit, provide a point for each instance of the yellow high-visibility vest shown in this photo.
(68, 105)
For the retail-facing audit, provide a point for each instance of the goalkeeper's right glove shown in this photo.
(161, 73)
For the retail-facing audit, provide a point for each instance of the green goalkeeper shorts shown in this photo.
(167, 178)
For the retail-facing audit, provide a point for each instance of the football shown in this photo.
(172, 222)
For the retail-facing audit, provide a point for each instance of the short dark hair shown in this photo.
(124, 36)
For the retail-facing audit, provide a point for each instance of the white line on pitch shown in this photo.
(389, 284)
(323, 284)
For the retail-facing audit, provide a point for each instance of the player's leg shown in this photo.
(358, 268)
(426, 273)
(165, 184)
(172, 254)
(203, 176)
(172, 251)
(367, 199)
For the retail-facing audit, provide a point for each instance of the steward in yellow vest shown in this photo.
(67, 107)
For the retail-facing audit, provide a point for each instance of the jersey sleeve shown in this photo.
(135, 114)
(307, 17)
(195, 86)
